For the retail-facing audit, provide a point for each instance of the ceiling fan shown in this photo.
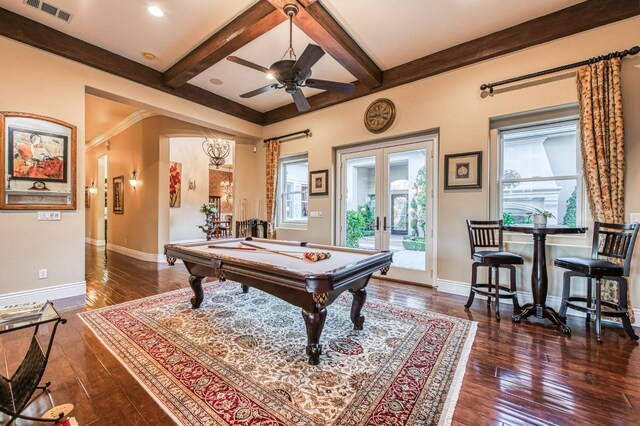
(293, 73)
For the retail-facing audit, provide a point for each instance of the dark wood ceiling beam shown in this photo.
(572, 20)
(315, 21)
(251, 24)
(26, 31)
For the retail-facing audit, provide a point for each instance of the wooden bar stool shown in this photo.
(613, 241)
(488, 235)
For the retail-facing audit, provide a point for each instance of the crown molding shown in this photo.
(119, 128)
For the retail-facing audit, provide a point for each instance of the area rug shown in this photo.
(240, 360)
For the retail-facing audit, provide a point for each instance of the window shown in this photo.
(540, 169)
(294, 190)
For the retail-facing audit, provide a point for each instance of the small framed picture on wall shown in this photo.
(319, 182)
(118, 195)
(463, 171)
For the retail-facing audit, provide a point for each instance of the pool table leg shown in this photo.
(245, 288)
(198, 294)
(359, 297)
(315, 323)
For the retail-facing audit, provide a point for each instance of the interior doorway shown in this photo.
(385, 199)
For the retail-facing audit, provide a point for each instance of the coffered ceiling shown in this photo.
(375, 43)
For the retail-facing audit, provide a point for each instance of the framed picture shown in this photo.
(37, 162)
(463, 171)
(118, 195)
(87, 201)
(319, 182)
(175, 183)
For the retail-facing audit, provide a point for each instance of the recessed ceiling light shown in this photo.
(155, 11)
(149, 56)
(215, 81)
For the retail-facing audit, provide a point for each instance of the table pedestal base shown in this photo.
(542, 311)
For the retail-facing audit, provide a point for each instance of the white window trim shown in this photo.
(280, 222)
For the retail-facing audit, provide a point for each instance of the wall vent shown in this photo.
(49, 8)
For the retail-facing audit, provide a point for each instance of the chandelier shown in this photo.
(217, 149)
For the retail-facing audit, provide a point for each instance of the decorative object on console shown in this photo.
(210, 210)
(217, 149)
(319, 182)
(118, 195)
(175, 183)
(39, 185)
(380, 115)
(34, 150)
(294, 73)
(463, 171)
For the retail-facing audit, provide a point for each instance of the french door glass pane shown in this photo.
(521, 199)
(407, 215)
(360, 204)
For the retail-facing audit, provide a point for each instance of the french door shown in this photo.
(385, 199)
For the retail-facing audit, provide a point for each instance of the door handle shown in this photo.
(384, 224)
(377, 223)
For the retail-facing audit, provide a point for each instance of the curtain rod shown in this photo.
(632, 51)
(305, 132)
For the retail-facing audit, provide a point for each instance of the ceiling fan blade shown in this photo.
(309, 57)
(246, 63)
(301, 102)
(258, 91)
(332, 86)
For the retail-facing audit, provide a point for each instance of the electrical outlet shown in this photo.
(316, 214)
(42, 274)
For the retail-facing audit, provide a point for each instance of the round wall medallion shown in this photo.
(379, 115)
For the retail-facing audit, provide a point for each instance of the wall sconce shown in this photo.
(92, 188)
(134, 180)
(192, 184)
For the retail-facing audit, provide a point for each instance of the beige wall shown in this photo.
(452, 104)
(41, 83)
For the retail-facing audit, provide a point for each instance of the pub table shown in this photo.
(539, 279)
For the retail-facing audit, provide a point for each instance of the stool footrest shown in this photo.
(505, 292)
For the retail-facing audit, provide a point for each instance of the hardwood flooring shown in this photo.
(526, 373)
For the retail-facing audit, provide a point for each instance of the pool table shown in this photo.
(309, 285)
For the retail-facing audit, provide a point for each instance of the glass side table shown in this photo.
(16, 392)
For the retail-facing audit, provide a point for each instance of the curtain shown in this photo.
(602, 145)
(273, 156)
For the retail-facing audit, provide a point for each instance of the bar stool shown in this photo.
(488, 235)
(613, 241)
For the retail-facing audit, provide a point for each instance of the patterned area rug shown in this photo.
(240, 359)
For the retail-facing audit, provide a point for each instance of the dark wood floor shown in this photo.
(517, 373)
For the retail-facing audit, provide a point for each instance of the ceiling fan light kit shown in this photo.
(293, 73)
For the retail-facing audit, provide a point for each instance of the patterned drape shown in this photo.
(273, 155)
(602, 145)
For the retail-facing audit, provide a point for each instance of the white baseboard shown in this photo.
(147, 257)
(93, 242)
(462, 289)
(47, 293)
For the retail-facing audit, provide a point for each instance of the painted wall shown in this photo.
(46, 84)
(452, 104)
(195, 166)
